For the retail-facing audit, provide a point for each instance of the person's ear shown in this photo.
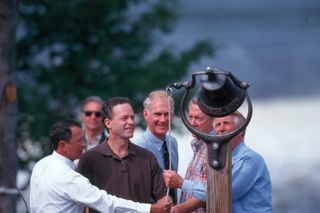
(172, 114)
(62, 145)
(145, 114)
(107, 122)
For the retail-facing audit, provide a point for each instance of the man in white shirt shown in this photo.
(57, 187)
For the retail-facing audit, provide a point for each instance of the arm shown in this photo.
(244, 174)
(80, 190)
(174, 180)
(95, 198)
(188, 206)
(162, 205)
(197, 189)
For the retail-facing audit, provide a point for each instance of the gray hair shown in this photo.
(193, 100)
(156, 94)
(93, 98)
(238, 118)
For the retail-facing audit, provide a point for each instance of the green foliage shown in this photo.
(67, 50)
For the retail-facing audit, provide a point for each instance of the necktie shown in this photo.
(165, 155)
(172, 192)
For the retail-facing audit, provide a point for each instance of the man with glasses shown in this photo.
(91, 120)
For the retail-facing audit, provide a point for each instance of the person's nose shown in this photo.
(163, 118)
(193, 122)
(220, 129)
(94, 115)
(130, 121)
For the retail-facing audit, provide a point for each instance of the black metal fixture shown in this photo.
(220, 94)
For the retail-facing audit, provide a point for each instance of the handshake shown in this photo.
(165, 204)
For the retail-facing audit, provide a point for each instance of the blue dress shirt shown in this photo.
(154, 144)
(251, 184)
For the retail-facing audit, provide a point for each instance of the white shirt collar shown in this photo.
(64, 159)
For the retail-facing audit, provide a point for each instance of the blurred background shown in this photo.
(129, 48)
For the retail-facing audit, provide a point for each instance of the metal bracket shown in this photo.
(217, 155)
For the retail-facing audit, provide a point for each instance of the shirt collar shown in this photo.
(197, 144)
(238, 148)
(150, 137)
(97, 138)
(64, 159)
(106, 150)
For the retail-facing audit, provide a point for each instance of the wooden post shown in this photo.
(219, 186)
(8, 105)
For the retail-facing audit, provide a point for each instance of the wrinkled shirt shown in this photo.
(56, 187)
(154, 144)
(251, 184)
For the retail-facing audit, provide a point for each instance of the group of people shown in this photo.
(95, 167)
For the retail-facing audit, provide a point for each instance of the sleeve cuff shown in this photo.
(187, 186)
(144, 208)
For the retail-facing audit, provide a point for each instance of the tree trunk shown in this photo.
(8, 106)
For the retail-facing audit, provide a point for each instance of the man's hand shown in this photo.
(173, 179)
(188, 206)
(162, 205)
(174, 209)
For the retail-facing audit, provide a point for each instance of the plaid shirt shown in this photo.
(197, 169)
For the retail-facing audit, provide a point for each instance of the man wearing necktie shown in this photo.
(155, 138)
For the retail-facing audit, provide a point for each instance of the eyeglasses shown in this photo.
(89, 113)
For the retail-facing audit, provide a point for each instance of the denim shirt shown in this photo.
(251, 184)
(154, 144)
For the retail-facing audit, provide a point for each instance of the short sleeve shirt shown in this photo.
(137, 176)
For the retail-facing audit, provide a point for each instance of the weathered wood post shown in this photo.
(219, 197)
